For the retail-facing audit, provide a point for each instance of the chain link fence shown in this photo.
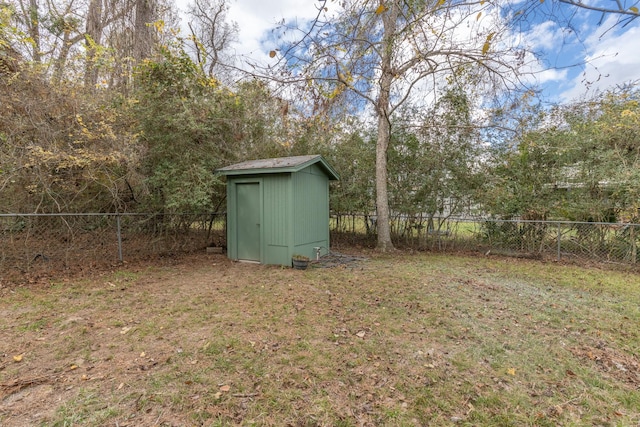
(558, 240)
(32, 244)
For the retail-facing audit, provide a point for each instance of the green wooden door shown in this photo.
(248, 220)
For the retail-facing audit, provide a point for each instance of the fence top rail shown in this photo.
(558, 222)
(11, 215)
(481, 219)
(458, 219)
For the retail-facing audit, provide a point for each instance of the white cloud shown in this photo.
(611, 59)
(542, 36)
(256, 18)
(551, 75)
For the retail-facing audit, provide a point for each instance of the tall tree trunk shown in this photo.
(93, 39)
(383, 104)
(143, 32)
(61, 61)
(382, 197)
(34, 29)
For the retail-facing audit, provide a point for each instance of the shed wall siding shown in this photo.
(311, 210)
(277, 218)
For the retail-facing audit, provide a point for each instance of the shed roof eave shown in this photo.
(278, 165)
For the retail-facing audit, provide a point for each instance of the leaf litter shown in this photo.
(409, 340)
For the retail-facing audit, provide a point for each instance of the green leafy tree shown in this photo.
(578, 162)
(353, 157)
(188, 125)
(523, 182)
(433, 172)
(605, 162)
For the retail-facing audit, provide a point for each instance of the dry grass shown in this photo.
(398, 340)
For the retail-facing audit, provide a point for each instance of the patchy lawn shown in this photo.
(395, 340)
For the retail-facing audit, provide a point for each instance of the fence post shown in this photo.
(632, 236)
(559, 237)
(119, 233)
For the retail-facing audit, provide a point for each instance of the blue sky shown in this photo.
(581, 51)
(585, 51)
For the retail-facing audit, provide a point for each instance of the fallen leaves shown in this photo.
(223, 389)
(17, 358)
(618, 364)
(253, 354)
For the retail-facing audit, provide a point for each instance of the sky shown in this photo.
(589, 54)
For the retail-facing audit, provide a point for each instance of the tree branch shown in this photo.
(620, 10)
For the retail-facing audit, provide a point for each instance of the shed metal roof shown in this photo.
(279, 165)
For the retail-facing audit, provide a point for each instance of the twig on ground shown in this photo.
(14, 386)
(245, 394)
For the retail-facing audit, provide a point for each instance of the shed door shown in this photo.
(248, 220)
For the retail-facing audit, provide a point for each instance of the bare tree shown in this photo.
(27, 16)
(84, 39)
(67, 35)
(394, 53)
(33, 23)
(212, 34)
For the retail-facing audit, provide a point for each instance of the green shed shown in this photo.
(277, 208)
